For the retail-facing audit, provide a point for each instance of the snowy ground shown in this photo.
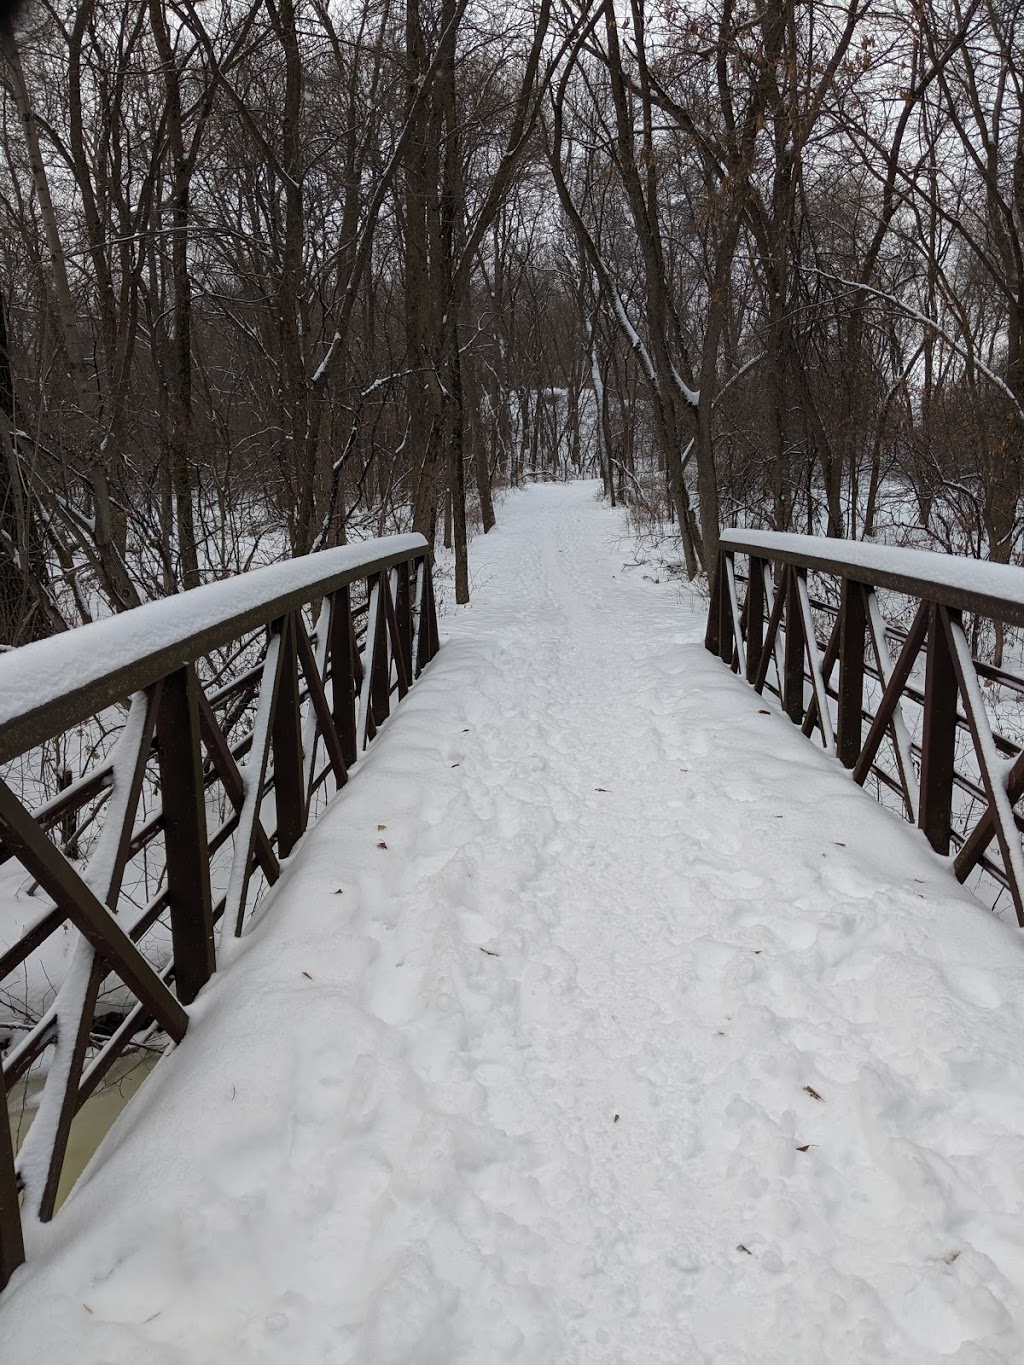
(600, 1020)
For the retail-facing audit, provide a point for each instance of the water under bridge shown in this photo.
(598, 1016)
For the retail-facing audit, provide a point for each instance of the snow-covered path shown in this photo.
(600, 1020)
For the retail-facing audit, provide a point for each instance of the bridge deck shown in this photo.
(600, 1020)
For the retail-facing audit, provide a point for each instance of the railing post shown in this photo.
(380, 670)
(852, 628)
(286, 740)
(755, 615)
(12, 1242)
(938, 739)
(713, 635)
(185, 838)
(726, 634)
(421, 588)
(403, 612)
(343, 673)
(426, 622)
(793, 659)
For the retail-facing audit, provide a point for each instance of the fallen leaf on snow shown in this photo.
(382, 844)
(810, 1090)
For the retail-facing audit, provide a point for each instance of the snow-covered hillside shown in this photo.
(600, 1020)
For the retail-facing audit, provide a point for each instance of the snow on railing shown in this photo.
(272, 681)
(944, 738)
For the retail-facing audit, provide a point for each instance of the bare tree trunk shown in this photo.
(420, 171)
(293, 390)
(181, 340)
(27, 611)
(481, 469)
(109, 560)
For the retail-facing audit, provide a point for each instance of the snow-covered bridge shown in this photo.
(599, 1018)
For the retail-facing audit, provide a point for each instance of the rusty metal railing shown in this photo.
(268, 684)
(904, 704)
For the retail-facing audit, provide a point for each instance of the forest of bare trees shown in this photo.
(279, 273)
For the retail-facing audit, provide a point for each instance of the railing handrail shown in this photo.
(183, 838)
(771, 632)
(994, 590)
(51, 685)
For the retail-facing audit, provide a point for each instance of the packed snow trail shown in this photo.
(600, 1020)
